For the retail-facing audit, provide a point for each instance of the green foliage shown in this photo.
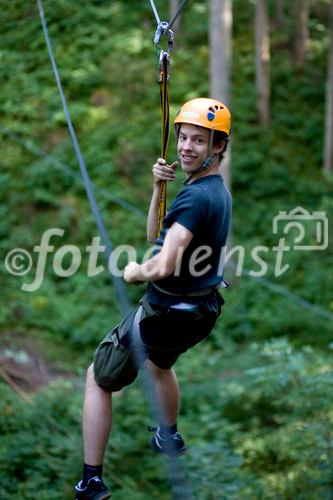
(36, 448)
(259, 426)
(257, 400)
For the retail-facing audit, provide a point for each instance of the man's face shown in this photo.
(192, 146)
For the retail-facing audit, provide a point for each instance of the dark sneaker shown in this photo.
(172, 445)
(94, 490)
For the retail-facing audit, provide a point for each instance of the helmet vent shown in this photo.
(212, 110)
(215, 108)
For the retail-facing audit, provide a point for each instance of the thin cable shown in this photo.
(117, 281)
(170, 23)
(32, 148)
(180, 8)
(289, 295)
(158, 20)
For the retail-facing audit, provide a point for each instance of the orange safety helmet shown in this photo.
(207, 113)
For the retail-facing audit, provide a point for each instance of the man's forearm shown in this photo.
(152, 219)
(155, 268)
(166, 261)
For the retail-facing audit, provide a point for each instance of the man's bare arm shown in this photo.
(166, 261)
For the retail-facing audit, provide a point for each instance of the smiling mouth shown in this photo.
(188, 159)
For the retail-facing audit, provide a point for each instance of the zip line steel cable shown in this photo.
(158, 21)
(172, 21)
(291, 296)
(180, 8)
(32, 148)
(117, 281)
(177, 478)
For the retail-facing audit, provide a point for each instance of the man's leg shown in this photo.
(97, 415)
(167, 391)
(96, 428)
(97, 410)
(167, 439)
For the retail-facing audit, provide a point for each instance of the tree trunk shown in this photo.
(328, 148)
(262, 62)
(220, 33)
(220, 43)
(301, 40)
(174, 4)
(279, 14)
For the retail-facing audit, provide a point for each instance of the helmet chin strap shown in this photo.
(208, 161)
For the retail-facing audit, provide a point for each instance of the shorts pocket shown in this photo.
(114, 367)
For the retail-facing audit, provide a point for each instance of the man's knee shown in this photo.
(90, 376)
(90, 371)
(156, 371)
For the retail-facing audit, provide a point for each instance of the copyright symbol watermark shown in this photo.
(18, 262)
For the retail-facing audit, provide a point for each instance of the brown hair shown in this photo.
(218, 138)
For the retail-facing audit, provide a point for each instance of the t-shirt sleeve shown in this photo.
(189, 209)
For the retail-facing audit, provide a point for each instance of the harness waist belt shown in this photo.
(198, 293)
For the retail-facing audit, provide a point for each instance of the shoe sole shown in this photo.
(154, 447)
(104, 496)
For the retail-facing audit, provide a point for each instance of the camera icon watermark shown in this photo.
(311, 228)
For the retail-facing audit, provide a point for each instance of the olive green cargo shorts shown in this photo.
(165, 335)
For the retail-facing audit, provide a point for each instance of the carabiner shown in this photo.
(161, 30)
(161, 64)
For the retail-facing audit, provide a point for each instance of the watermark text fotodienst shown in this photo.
(308, 231)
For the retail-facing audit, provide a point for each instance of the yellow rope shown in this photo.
(165, 134)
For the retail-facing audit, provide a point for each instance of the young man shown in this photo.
(181, 304)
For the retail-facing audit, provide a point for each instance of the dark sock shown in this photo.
(167, 430)
(90, 471)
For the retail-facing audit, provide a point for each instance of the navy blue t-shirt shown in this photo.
(204, 208)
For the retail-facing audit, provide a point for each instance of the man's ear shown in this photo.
(220, 147)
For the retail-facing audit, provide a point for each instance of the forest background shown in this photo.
(257, 406)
